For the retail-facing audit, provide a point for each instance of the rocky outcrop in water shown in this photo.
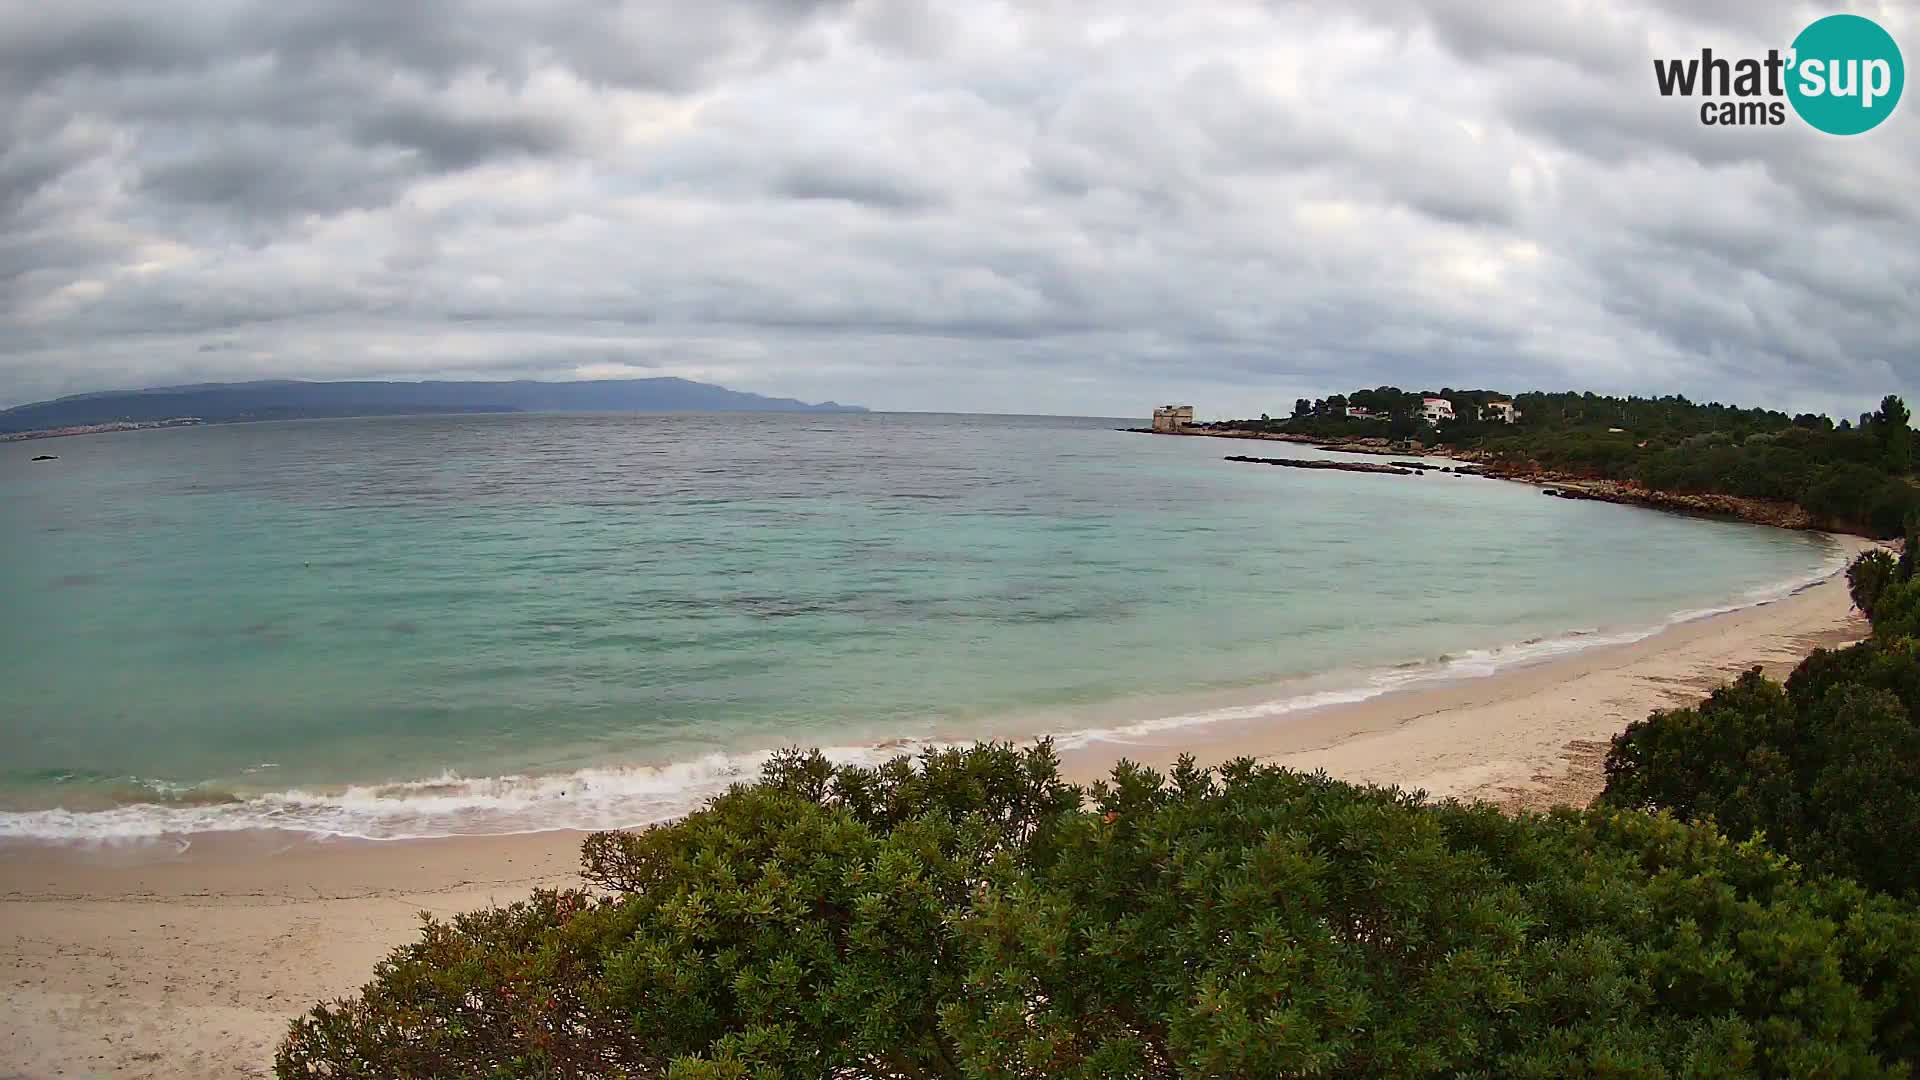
(1340, 466)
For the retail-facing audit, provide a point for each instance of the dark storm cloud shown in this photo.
(251, 174)
(450, 142)
(34, 153)
(917, 203)
(827, 179)
(657, 44)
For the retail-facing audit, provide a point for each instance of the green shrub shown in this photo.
(1827, 768)
(1867, 577)
(971, 917)
(1728, 759)
(1896, 610)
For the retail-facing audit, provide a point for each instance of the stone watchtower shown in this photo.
(1172, 418)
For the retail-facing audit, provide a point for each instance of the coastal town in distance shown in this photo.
(97, 429)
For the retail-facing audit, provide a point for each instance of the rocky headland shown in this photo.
(1772, 512)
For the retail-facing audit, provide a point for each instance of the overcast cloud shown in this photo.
(1043, 206)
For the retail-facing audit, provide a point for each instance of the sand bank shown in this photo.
(154, 962)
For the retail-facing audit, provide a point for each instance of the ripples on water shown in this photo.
(412, 626)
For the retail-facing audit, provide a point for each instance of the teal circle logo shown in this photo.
(1845, 74)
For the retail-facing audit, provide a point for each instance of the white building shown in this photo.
(1359, 413)
(1435, 409)
(1502, 411)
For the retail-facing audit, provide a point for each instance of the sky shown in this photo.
(1043, 206)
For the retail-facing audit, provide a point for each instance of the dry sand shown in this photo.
(190, 967)
(158, 963)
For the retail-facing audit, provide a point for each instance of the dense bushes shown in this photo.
(1826, 767)
(1867, 577)
(1857, 495)
(1891, 594)
(1841, 477)
(973, 916)
(801, 926)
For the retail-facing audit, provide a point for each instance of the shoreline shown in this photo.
(1712, 507)
(635, 793)
(148, 961)
(1523, 737)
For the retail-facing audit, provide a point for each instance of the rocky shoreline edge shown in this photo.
(1783, 515)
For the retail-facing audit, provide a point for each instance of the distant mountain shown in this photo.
(290, 400)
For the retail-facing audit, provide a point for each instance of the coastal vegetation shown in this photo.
(969, 914)
(1825, 767)
(1852, 475)
(1741, 901)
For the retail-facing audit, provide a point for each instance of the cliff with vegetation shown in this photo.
(1801, 471)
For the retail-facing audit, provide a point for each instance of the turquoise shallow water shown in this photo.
(417, 626)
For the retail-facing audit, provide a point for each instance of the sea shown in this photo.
(428, 626)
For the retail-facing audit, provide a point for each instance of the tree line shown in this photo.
(1852, 475)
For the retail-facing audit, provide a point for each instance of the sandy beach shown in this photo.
(153, 962)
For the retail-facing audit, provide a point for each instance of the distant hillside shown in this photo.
(288, 400)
